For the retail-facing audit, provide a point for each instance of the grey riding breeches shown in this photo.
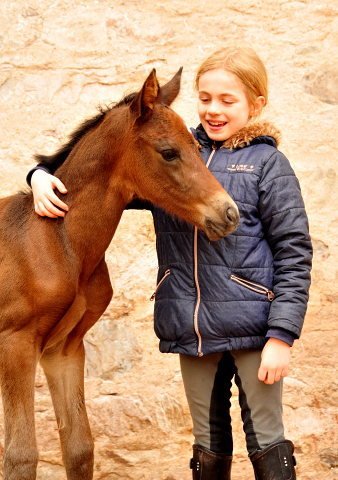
(207, 383)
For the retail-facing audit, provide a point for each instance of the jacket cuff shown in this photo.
(281, 334)
(30, 173)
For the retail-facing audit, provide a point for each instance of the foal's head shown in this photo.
(165, 166)
(142, 148)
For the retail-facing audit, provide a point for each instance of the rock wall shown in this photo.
(59, 60)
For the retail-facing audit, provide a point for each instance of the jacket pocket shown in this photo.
(253, 286)
(167, 272)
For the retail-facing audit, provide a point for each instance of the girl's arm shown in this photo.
(285, 224)
(47, 204)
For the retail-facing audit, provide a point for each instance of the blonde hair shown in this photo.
(245, 64)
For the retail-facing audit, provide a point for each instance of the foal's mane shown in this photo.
(56, 159)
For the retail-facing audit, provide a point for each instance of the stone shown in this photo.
(110, 347)
(323, 84)
(329, 456)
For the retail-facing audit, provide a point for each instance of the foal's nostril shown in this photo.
(232, 215)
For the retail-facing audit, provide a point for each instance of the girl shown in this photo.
(231, 308)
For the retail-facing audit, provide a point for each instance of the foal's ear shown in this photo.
(144, 102)
(170, 90)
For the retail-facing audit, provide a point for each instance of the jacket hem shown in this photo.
(221, 345)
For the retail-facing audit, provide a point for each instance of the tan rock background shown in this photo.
(59, 60)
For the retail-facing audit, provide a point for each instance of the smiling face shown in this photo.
(223, 105)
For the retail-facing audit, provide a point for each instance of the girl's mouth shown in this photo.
(216, 125)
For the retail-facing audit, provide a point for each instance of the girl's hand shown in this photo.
(275, 361)
(45, 200)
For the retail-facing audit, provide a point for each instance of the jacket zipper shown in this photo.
(250, 285)
(167, 272)
(199, 349)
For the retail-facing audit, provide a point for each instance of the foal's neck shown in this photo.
(98, 193)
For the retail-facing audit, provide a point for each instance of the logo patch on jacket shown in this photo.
(241, 168)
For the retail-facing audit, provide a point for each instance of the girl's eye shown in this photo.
(227, 102)
(204, 100)
(169, 155)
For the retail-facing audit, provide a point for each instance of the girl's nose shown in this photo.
(214, 109)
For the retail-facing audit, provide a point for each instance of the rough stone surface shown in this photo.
(61, 59)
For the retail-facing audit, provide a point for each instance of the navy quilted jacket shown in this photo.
(233, 293)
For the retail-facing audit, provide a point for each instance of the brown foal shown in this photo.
(54, 279)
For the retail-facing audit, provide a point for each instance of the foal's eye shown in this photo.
(169, 155)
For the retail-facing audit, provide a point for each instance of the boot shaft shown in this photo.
(275, 462)
(207, 465)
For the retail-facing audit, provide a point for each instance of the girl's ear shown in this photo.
(257, 107)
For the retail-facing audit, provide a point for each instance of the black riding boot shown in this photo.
(207, 465)
(275, 462)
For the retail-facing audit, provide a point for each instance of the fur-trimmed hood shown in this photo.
(246, 135)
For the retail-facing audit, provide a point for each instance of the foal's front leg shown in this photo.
(18, 359)
(64, 368)
(65, 376)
